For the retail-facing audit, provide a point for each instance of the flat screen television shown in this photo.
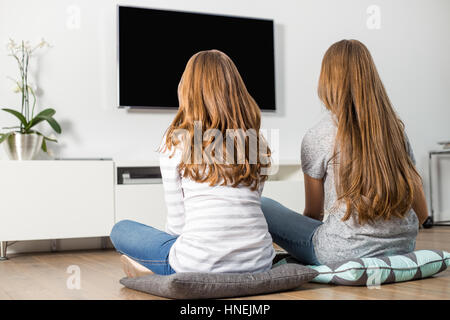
(155, 45)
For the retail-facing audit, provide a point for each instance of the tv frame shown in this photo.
(118, 6)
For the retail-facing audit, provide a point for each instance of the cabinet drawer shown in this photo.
(56, 199)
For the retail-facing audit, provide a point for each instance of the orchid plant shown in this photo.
(22, 52)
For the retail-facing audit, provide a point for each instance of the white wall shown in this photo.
(78, 78)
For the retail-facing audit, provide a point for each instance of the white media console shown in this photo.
(64, 199)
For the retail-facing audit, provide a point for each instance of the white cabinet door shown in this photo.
(56, 199)
(143, 203)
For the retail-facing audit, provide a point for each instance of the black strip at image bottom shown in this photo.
(222, 309)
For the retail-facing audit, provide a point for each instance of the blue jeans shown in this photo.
(144, 244)
(291, 230)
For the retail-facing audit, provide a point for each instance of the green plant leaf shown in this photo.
(4, 136)
(51, 121)
(44, 143)
(18, 115)
(54, 124)
(44, 146)
(41, 116)
(45, 138)
(34, 122)
(50, 139)
(49, 112)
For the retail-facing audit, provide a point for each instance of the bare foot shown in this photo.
(133, 269)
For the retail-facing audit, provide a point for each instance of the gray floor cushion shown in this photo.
(192, 285)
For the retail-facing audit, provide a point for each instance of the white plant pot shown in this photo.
(22, 146)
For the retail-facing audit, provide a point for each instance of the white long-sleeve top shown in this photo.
(219, 228)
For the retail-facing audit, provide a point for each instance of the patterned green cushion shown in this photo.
(380, 270)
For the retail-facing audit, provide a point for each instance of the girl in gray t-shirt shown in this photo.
(363, 195)
(336, 240)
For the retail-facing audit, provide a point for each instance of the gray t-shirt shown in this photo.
(336, 240)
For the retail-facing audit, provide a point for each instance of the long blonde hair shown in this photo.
(212, 93)
(374, 174)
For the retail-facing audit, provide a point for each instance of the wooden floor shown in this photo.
(45, 276)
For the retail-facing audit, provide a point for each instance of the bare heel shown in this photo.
(132, 268)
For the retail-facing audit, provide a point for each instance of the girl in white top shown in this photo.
(219, 228)
(213, 163)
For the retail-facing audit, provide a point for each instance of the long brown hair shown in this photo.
(374, 174)
(212, 93)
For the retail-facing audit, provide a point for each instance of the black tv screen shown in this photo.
(155, 45)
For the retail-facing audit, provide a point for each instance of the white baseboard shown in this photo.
(61, 245)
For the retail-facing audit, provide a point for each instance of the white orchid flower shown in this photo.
(11, 45)
(17, 89)
(32, 86)
(43, 43)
